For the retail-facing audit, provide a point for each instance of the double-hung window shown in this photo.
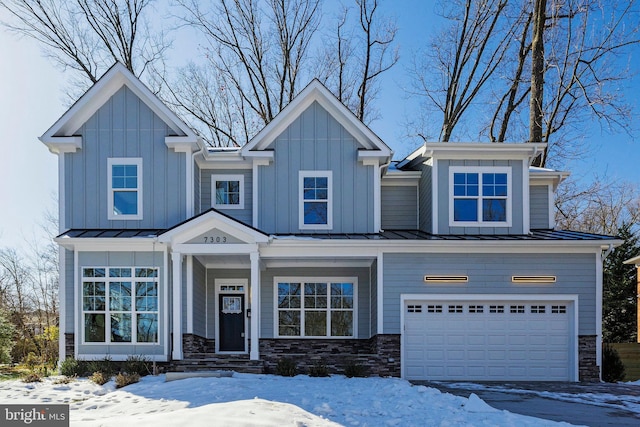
(120, 305)
(480, 196)
(315, 211)
(227, 191)
(315, 307)
(125, 188)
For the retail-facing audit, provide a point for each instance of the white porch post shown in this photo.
(176, 257)
(254, 353)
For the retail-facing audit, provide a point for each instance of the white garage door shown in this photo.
(488, 340)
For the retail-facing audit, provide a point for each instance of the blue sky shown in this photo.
(32, 99)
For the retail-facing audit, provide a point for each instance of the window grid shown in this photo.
(455, 309)
(120, 305)
(479, 196)
(538, 309)
(411, 308)
(434, 309)
(315, 211)
(227, 191)
(558, 309)
(125, 188)
(496, 309)
(517, 309)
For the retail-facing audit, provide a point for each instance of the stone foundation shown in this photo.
(69, 345)
(588, 369)
(380, 355)
(195, 346)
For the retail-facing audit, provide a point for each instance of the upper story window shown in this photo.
(125, 188)
(316, 200)
(480, 196)
(227, 191)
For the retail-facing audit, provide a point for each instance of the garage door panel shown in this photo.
(484, 340)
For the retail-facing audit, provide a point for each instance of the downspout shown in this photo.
(193, 172)
(378, 212)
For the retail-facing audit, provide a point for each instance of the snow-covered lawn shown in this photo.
(262, 400)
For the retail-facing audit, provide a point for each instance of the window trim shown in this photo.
(308, 279)
(315, 174)
(107, 311)
(481, 170)
(125, 161)
(227, 177)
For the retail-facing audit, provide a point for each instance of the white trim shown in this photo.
(380, 293)
(435, 197)
(571, 298)
(120, 357)
(552, 207)
(77, 304)
(176, 258)
(237, 282)
(526, 198)
(480, 170)
(62, 144)
(119, 161)
(227, 177)
(62, 200)
(377, 198)
(62, 307)
(254, 196)
(315, 279)
(189, 259)
(316, 263)
(190, 184)
(254, 353)
(315, 174)
(599, 292)
(167, 313)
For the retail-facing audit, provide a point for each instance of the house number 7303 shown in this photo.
(215, 239)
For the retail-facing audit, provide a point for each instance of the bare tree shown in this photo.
(357, 54)
(89, 36)
(536, 101)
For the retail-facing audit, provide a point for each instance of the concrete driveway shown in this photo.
(590, 404)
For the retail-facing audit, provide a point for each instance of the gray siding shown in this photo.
(243, 215)
(490, 274)
(426, 198)
(373, 303)
(267, 301)
(516, 198)
(316, 141)
(125, 259)
(199, 298)
(124, 127)
(399, 207)
(539, 206)
(197, 198)
(212, 275)
(69, 297)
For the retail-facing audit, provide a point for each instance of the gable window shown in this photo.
(315, 200)
(315, 307)
(227, 191)
(120, 305)
(480, 196)
(125, 188)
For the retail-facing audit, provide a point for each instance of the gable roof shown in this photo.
(317, 92)
(61, 136)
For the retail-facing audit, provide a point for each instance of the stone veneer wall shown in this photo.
(588, 370)
(380, 354)
(69, 346)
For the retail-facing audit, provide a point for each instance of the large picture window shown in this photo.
(125, 188)
(227, 191)
(315, 200)
(480, 196)
(120, 305)
(315, 307)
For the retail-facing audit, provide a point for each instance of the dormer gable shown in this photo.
(62, 136)
(372, 149)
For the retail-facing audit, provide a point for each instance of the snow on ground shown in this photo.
(263, 400)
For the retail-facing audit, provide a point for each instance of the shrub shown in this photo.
(286, 367)
(7, 331)
(319, 369)
(104, 366)
(74, 368)
(100, 378)
(31, 378)
(612, 367)
(63, 380)
(354, 369)
(124, 379)
(136, 365)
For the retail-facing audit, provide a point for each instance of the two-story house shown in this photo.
(310, 243)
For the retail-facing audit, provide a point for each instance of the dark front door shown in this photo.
(231, 322)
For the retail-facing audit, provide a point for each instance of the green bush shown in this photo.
(137, 364)
(7, 341)
(74, 368)
(319, 369)
(104, 366)
(124, 379)
(612, 367)
(286, 367)
(354, 369)
(100, 378)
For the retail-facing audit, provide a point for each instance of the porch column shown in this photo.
(254, 353)
(176, 258)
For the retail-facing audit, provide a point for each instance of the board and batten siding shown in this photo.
(199, 298)
(124, 259)
(316, 141)
(243, 215)
(399, 207)
(267, 297)
(490, 274)
(539, 206)
(517, 215)
(124, 127)
(197, 197)
(69, 296)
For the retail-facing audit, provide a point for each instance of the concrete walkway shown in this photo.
(552, 400)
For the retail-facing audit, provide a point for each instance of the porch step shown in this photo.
(217, 364)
